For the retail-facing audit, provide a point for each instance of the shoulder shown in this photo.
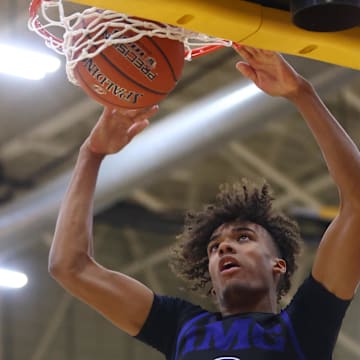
(315, 316)
(166, 319)
(314, 294)
(174, 308)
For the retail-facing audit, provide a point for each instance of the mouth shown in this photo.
(228, 264)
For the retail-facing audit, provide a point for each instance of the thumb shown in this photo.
(137, 128)
(246, 70)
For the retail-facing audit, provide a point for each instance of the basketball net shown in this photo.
(80, 42)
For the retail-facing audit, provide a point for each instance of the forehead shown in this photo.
(262, 235)
(238, 225)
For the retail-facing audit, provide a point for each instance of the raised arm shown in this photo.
(337, 263)
(121, 299)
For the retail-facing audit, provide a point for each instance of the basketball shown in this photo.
(132, 75)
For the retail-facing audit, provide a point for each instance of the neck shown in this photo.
(240, 302)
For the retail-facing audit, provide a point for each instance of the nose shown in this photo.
(226, 247)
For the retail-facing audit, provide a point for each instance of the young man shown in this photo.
(239, 245)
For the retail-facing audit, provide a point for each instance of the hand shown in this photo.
(269, 71)
(116, 128)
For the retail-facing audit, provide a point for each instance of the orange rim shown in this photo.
(33, 11)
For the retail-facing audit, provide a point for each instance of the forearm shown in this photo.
(72, 243)
(339, 151)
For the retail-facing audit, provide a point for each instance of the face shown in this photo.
(243, 260)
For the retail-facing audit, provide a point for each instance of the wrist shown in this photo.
(86, 151)
(301, 91)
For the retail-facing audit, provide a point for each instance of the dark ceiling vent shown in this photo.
(325, 15)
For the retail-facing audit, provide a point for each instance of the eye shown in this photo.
(243, 237)
(212, 247)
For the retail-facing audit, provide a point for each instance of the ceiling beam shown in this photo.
(190, 133)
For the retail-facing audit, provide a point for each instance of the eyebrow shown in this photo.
(235, 229)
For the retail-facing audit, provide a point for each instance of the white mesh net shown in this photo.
(86, 34)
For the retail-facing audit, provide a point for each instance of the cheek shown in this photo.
(211, 268)
(264, 266)
(260, 263)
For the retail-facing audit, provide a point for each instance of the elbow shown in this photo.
(54, 269)
(65, 269)
(59, 272)
(66, 278)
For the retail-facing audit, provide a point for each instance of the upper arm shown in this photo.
(337, 262)
(316, 316)
(121, 299)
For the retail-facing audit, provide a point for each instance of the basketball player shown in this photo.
(239, 246)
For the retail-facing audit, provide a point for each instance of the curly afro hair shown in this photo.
(243, 201)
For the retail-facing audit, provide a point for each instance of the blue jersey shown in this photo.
(306, 329)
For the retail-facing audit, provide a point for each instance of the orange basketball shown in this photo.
(132, 75)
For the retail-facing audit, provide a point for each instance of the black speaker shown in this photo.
(325, 15)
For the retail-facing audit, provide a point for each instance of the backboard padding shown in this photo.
(248, 23)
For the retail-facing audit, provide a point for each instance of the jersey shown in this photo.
(306, 329)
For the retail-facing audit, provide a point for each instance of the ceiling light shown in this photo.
(12, 279)
(26, 63)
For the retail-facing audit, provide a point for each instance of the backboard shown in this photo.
(247, 22)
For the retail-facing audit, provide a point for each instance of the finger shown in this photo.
(253, 51)
(238, 48)
(147, 113)
(243, 51)
(137, 128)
(107, 111)
(127, 113)
(150, 108)
(267, 53)
(246, 70)
(262, 55)
(134, 114)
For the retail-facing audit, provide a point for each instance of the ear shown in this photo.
(214, 298)
(279, 266)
